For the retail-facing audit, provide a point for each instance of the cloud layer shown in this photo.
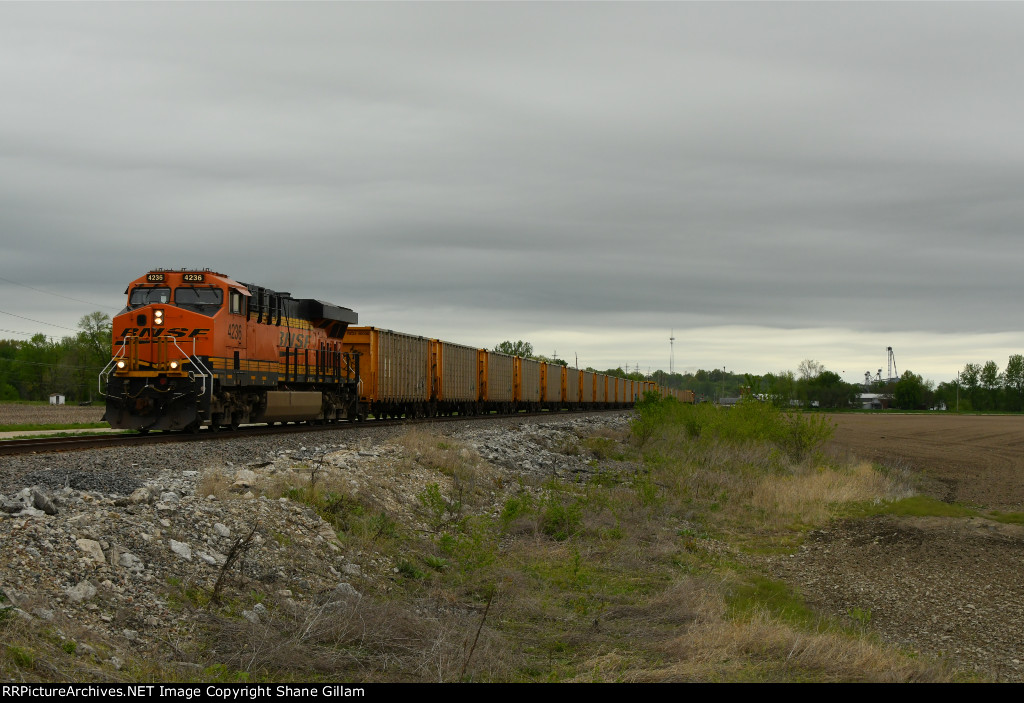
(772, 181)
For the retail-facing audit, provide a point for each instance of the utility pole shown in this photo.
(671, 352)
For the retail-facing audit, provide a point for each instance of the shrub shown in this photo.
(747, 421)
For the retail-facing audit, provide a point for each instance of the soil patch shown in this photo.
(974, 459)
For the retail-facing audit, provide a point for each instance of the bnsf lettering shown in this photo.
(293, 339)
(178, 332)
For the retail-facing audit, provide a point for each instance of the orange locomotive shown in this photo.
(195, 348)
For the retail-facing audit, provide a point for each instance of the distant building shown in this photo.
(56, 399)
(874, 401)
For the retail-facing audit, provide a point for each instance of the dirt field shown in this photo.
(974, 459)
(947, 587)
(16, 414)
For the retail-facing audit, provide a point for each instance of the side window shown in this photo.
(237, 303)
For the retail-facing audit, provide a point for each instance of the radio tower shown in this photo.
(671, 352)
(893, 373)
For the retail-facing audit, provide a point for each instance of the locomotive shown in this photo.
(195, 348)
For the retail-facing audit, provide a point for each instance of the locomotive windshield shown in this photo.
(147, 296)
(206, 300)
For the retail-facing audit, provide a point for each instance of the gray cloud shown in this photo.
(778, 167)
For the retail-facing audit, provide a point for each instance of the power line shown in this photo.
(66, 297)
(26, 334)
(22, 317)
(52, 366)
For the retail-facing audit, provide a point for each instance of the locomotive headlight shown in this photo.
(158, 317)
(174, 365)
(120, 364)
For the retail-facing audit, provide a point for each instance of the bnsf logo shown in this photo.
(179, 332)
(293, 339)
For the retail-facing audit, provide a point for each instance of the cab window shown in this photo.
(147, 296)
(198, 296)
(237, 302)
(204, 300)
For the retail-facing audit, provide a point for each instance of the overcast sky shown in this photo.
(772, 181)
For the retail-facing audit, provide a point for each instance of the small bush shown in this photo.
(516, 507)
(560, 520)
(749, 421)
(21, 656)
(440, 511)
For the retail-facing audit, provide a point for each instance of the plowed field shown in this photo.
(974, 459)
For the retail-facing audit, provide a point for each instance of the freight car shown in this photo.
(195, 348)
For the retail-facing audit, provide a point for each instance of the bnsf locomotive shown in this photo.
(195, 348)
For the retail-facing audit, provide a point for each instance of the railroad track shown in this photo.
(39, 445)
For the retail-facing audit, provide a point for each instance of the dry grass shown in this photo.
(213, 482)
(364, 639)
(438, 453)
(620, 579)
(688, 626)
(59, 649)
(813, 496)
(730, 482)
(761, 648)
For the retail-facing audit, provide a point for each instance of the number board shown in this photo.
(193, 277)
(155, 277)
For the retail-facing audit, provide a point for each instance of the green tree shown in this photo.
(810, 369)
(94, 337)
(782, 387)
(947, 392)
(550, 360)
(1013, 381)
(991, 381)
(830, 391)
(970, 379)
(910, 392)
(517, 348)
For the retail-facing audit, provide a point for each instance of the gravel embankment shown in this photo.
(128, 522)
(95, 543)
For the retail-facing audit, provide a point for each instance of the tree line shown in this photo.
(33, 369)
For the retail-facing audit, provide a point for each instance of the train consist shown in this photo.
(195, 348)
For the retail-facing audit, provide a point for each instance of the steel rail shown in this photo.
(39, 445)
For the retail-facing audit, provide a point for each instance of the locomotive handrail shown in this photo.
(206, 373)
(106, 369)
(194, 358)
